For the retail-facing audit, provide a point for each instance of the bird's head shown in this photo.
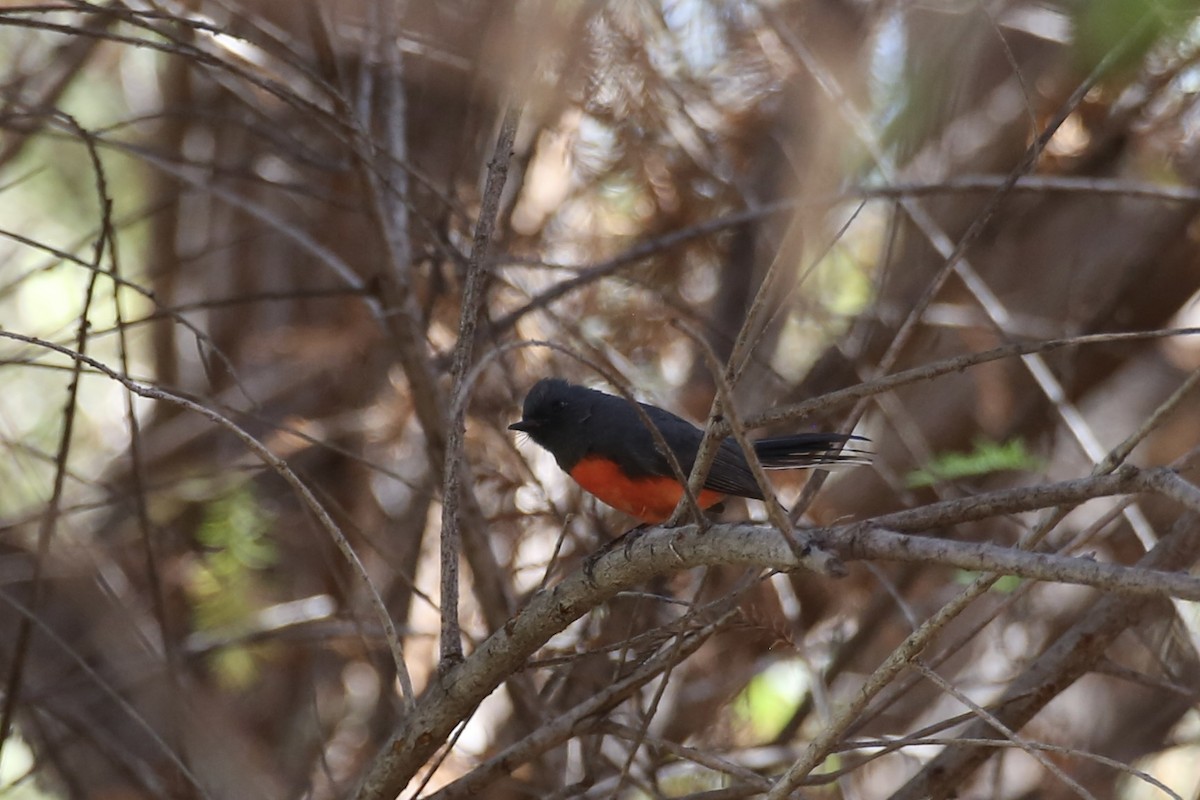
(554, 415)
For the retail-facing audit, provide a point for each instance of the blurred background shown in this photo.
(267, 208)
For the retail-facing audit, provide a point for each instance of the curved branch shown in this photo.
(660, 551)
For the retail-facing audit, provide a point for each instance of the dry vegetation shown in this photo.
(275, 276)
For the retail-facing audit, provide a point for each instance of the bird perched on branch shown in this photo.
(604, 444)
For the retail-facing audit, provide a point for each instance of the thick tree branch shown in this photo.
(660, 551)
(1064, 662)
(873, 544)
(656, 551)
(586, 713)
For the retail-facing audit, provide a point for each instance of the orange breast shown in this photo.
(649, 499)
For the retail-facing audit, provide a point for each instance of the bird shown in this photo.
(602, 442)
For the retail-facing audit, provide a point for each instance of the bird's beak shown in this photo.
(524, 426)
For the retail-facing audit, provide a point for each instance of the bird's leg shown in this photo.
(626, 539)
(589, 564)
(630, 536)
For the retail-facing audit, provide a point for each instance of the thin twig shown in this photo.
(1066, 660)
(273, 462)
(584, 715)
(661, 550)
(455, 467)
(887, 383)
(49, 521)
(988, 718)
(107, 689)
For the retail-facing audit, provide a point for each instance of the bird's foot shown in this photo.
(626, 541)
(630, 536)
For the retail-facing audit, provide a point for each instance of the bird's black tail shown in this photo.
(812, 450)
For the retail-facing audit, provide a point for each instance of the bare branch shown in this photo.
(272, 461)
(581, 717)
(1068, 658)
(660, 550)
(473, 296)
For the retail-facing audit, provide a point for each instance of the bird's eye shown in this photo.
(559, 405)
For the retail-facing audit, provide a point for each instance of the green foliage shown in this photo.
(223, 583)
(1005, 585)
(770, 699)
(691, 783)
(1129, 27)
(986, 457)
